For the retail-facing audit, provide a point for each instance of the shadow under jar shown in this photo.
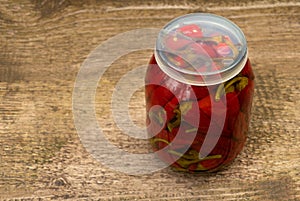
(199, 90)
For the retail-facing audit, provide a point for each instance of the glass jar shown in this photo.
(199, 90)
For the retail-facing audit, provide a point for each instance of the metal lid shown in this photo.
(201, 49)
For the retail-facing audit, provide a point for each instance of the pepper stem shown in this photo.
(222, 89)
(155, 140)
(175, 122)
(191, 130)
(158, 116)
(185, 107)
(186, 160)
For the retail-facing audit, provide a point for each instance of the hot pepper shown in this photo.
(219, 109)
(233, 108)
(221, 149)
(184, 139)
(154, 77)
(247, 71)
(223, 49)
(170, 107)
(187, 110)
(200, 92)
(239, 132)
(165, 94)
(238, 138)
(159, 144)
(177, 41)
(191, 30)
(246, 96)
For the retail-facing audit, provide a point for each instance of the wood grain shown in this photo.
(42, 47)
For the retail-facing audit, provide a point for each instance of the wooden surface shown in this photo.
(42, 47)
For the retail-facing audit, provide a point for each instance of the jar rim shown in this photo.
(209, 24)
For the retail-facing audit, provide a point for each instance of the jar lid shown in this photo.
(201, 49)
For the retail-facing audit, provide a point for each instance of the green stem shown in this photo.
(185, 107)
(191, 130)
(185, 156)
(175, 122)
(225, 89)
(211, 157)
(155, 140)
(158, 116)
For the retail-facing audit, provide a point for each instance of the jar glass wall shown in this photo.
(199, 90)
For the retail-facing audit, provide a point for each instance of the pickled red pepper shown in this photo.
(178, 107)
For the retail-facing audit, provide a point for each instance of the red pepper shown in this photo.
(247, 71)
(187, 93)
(246, 97)
(219, 109)
(193, 167)
(188, 137)
(176, 42)
(154, 77)
(189, 116)
(155, 99)
(204, 108)
(200, 92)
(170, 107)
(169, 101)
(238, 137)
(204, 105)
(191, 30)
(164, 136)
(160, 96)
(211, 163)
(223, 49)
(240, 132)
(182, 91)
(165, 98)
(181, 142)
(161, 141)
(221, 146)
(233, 108)
(221, 149)
(199, 139)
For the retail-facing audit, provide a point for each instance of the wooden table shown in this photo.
(43, 46)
